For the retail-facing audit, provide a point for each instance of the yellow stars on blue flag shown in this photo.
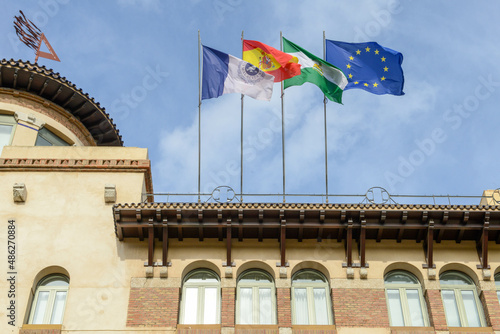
(368, 66)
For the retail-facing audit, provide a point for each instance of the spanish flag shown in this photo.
(277, 63)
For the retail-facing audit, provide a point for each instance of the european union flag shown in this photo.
(368, 66)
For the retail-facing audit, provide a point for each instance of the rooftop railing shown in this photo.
(374, 195)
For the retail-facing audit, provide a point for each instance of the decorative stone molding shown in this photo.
(30, 119)
(88, 165)
(350, 273)
(109, 193)
(163, 272)
(363, 273)
(431, 273)
(228, 272)
(283, 272)
(149, 271)
(20, 193)
(486, 274)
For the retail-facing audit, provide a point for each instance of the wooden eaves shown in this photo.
(347, 223)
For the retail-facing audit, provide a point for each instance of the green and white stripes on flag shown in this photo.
(315, 70)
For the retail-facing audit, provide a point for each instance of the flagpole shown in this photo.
(199, 117)
(241, 136)
(326, 137)
(282, 123)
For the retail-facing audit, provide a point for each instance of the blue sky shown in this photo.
(439, 138)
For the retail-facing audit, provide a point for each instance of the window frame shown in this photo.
(403, 297)
(200, 296)
(256, 286)
(310, 286)
(50, 137)
(457, 289)
(497, 285)
(9, 120)
(49, 307)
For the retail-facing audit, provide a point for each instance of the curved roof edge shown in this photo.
(51, 86)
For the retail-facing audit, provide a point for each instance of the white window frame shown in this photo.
(52, 290)
(457, 289)
(497, 285)
(201, 296)
(405, 307)
(310, 286)
(256, 286)
(8, 120)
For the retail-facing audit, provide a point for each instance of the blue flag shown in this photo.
(368, 66)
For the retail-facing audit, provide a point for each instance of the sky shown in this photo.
(139, 59)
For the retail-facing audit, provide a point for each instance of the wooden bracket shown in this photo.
(482, 244)
(283, 242)
(165, 243)
(349, 243)
(151, 244)
(362, 248)
(228, 263)
(428, 246)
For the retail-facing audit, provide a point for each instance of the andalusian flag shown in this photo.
(315, 70)
(277, 63)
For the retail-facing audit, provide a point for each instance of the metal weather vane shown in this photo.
(33, 37)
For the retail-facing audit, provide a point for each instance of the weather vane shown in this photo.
(33, 37)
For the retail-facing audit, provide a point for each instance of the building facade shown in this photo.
(89, 250)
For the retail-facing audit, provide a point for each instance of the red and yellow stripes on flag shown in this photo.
(277, 63)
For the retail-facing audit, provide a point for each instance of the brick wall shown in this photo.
(491, 308)
(360, 307)
(228, 307)
(284, 307)
(153, 307)
(435, 308)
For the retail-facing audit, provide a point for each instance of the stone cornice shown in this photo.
(81, 165)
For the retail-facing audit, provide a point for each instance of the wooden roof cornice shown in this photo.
(33, 79)
(340, 222)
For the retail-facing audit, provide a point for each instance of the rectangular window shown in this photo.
(246, 306)
(210, 315)
(416, 316)
(470, 308)
(191, 306)
(395, 308)
(265, 306)
(58, 311)
(320, 307)
(301, 312)
(450, 308)
(41, 307)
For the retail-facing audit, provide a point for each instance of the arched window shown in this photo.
(50, 300)
(46, 137)
(404, 300)
(7, 126)
(461, 305)
(200, 302)
(255, 298)
(311, 302)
